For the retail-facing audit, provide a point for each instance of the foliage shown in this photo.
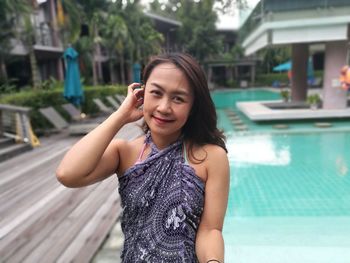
(198, 31)
(7, 86)
(36, 99)
(273, 56)
(313, 99)
(10, 10)
(144, 40)
(269, 79)
(285, 94)
(70, 26)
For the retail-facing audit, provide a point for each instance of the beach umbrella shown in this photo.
(283, 67)
(286, 66)
(73, 91)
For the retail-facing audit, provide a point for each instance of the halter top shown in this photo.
(162, 200)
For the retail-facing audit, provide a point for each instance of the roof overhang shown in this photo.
(311, 30)
(163, 23)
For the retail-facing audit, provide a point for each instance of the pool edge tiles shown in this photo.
(257, 111)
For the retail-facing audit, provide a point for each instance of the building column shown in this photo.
(300, 54)
(59, 66)
(334, 97)
(252, 75)
(228, 72)
(54, 26)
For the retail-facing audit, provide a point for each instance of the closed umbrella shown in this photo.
(73, 91)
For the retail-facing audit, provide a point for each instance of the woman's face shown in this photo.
(168, 101)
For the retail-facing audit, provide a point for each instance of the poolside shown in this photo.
(257, 111)
(290, 189)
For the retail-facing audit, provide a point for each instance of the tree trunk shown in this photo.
(3, 71)
(34, 69)
(94, 73)
(112, 72)
(122, 69)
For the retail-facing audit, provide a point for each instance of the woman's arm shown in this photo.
(209, 240)
(96, 156)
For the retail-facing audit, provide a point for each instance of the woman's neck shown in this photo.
(162, 142)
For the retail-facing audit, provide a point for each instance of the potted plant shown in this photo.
(314, 101)
(285, 94)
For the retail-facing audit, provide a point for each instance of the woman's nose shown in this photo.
(164, 106)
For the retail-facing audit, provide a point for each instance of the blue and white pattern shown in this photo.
(162, 200)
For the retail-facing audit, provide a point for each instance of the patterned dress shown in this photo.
(162, 200)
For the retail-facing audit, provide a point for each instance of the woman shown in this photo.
(174, 180)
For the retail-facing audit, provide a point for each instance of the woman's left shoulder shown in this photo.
(213, 155)
(214, 152)
(216, 161)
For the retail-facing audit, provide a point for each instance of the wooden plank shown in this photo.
(27, 202)
(32, 162)
(25, 186)
(66, 232)
(27, 235)
(47, 145)
(25, 191)
(42, 221)
(91, 237)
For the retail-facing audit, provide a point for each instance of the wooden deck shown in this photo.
(43, 221)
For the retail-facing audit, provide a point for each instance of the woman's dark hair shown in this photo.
(201, 126)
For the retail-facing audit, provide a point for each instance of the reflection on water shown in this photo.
(259, 149)
(289, 175)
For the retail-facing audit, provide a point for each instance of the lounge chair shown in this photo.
(113, 102)
(102, 107)
(73, 112)
(61, 124)
(120, 98)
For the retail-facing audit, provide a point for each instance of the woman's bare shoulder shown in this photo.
(209, 152)
(123, 144)
(205, 159)
(128, 151)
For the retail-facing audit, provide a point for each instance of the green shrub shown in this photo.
(36, 99)
(269, 79)
(232, 84)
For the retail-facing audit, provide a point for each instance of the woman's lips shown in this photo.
(161, 120)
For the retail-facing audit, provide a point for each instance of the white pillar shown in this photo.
(334, 97)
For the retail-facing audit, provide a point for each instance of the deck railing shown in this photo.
(15, 123)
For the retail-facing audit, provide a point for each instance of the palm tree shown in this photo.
(114, 37)
(69, 21)
(10, 10)
(93, 12)
(28, 39)
(143, 40)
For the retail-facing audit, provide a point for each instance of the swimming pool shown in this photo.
(289, 195)
(232, 120)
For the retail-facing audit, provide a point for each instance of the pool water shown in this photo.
(225, 103)
(289, 195)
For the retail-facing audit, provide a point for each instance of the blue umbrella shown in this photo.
(73, 91)
(286, 66)
(283, 67)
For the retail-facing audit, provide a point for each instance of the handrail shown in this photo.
(23, 130)
(9, 107)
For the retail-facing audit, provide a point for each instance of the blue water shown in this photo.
(288, 192)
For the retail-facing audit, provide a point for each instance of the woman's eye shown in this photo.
(155, 92)
(178, 99)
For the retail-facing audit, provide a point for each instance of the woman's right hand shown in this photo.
(130, 108)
